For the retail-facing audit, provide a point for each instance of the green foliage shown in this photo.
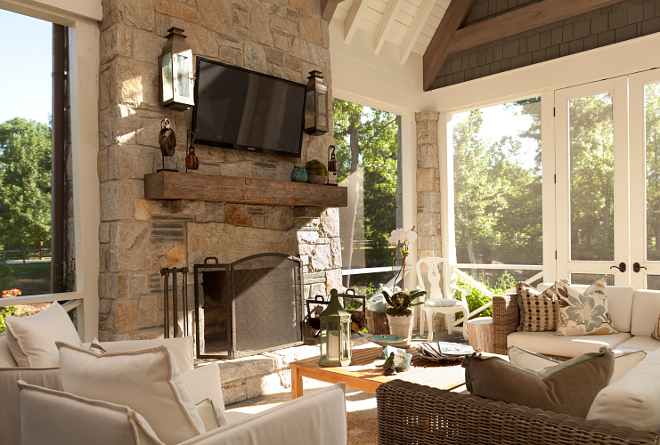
(6, 275)
(25, 164)
(5, 311)
(401, 300)
(476, 298)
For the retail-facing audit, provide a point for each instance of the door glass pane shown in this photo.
(591, 138)
(653, 282)
(497, 185)
(590, 278)
(652, 112)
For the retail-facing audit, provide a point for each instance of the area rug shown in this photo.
(360, 407)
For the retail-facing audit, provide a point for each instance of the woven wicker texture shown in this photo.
(506, 317)
(409, 413)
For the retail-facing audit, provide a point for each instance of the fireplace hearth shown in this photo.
(250, 306)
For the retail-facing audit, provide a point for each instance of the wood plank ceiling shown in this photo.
(434, 28)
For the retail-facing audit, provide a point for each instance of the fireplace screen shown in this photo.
(250, 306)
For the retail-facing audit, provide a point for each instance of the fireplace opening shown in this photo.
(247, 307)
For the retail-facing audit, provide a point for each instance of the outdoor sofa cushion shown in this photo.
(32, 339)
(645, 311)
(567, 388)
(639, 343)
(50, 416)
(6, 359)
(204, 383)
(146, 380)
(623, 361)
(634, 399)
(550, 344)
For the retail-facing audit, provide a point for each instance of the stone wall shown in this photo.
(138, 237)
(428, 185)
(605, 26)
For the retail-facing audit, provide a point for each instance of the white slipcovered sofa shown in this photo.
(634, 314)
(36, 410)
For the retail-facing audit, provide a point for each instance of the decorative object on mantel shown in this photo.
(192, 161)
(167, 143)
(238, 190)
(316, 172)
(333, 165)
(176, 72)
(335, 340)
(299, 174)
(316, 104)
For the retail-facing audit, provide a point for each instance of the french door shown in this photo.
(608, 181)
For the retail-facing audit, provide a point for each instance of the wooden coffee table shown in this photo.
(365, 375)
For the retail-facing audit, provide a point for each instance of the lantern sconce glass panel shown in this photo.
(316, 104)
(176, 76)
(335, 340)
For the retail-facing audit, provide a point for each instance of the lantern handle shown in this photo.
(190, 139)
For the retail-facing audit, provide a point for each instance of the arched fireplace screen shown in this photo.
(247, 307)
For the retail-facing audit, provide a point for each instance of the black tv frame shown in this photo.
(245, 147)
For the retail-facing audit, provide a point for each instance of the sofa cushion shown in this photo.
(639, 343)
(633, 400)
(181, 347)
(32, 339)
(79, 420)
(6, 359)
(645, 311)
(623, 361)
(550, 344)
(656, 331)
(146, 380)
(567, 388)
(583, 313)
(538, 309)
(204, 383)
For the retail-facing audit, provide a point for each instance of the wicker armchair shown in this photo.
(506, 317)
(409, 413)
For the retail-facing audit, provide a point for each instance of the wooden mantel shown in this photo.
(172, 185)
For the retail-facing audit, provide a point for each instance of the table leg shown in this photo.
(296, 383)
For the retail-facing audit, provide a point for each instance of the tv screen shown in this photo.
(241, 109)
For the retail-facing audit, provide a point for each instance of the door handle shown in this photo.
(621, 267)
(637, 267)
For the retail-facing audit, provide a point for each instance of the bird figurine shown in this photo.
(388, 366)
(167, 142)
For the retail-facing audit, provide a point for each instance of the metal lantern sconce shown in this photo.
(335, 340)
(316, 104)
(176, 72)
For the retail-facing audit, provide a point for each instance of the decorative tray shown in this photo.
(390, 340)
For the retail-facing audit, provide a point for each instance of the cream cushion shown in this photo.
(181, 347)
(6, 359)
(146, 380)
(78, 420)
(639, 342)
(645, 311)
(550, 344)
(633, 400)
(623, 361)
(204, 383)
(32, 339)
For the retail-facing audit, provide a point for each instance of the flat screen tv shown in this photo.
(241, 109)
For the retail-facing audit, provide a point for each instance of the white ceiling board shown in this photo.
(340, 14)
(345, 5)
(419, 49)
(371, 16)
(399, 28)
(377, 5)
(428, 30)
(385, 25)
(405, 18)
(409, 8)
(395, 39)
(353, 19)
(367, 26)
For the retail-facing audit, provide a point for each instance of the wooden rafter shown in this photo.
(328, 8)
(415, 29)
(436, 52)
(353, 18)
(387, 20)
(521, 20)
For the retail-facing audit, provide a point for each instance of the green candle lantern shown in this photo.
(335, 339)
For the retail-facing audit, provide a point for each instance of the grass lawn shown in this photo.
(31, 279)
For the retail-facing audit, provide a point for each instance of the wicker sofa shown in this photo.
(409, 413)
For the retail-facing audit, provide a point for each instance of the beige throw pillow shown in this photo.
(146, 380)
(538, 310)
(583, 313)
(567, 388)
(656, 331)
(32, 339)
(204, 384)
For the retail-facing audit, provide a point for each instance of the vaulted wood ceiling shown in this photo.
(434, 28)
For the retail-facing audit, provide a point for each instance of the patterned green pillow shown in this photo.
(583, 313)
(538, 310)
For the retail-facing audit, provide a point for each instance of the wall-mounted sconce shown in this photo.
(316, 104)
(176, 72)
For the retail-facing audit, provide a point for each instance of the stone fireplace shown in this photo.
(140, 236)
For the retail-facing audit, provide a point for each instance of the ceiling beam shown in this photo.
(387, 20)
(328, 8)
(415, 29)
(353, 18)
(436, 52)
(521, 20)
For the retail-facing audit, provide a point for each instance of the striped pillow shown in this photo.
(538, 310)
(656, 331)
